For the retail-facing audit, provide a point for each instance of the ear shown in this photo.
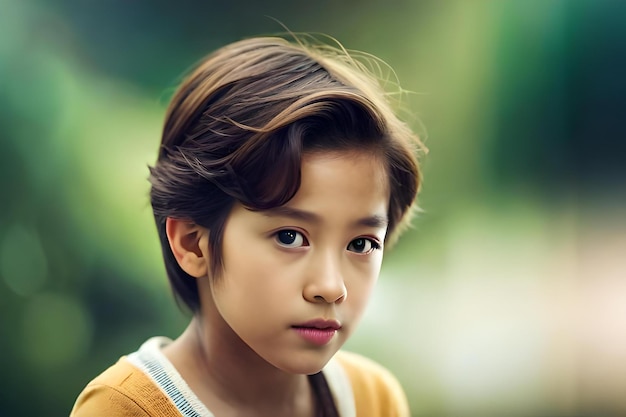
(189, 244)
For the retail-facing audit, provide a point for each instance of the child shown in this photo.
(281, 175)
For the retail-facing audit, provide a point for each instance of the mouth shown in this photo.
(318, 332)
(321, 324)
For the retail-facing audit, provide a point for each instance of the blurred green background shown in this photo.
(507, 298)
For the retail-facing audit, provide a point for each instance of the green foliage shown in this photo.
(521, 103)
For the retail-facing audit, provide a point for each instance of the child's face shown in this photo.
(315, 258)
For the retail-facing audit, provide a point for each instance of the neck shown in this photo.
(229, 376)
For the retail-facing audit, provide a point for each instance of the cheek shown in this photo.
(252, 279)
(362, 284)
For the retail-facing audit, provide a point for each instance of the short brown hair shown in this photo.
(238, 125)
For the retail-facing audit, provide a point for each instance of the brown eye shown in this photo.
(363, 245)
(290, 238)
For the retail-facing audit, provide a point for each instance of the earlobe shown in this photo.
(188, 243)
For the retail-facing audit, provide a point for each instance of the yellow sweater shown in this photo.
(132, 388)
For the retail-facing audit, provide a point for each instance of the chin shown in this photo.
(308, 364)
(305, 370)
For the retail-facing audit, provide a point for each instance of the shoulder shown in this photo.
(122, 391)
(376, 390)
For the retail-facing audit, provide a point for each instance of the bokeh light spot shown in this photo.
(56, 330)
(23, 262)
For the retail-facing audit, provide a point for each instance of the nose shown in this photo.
(325, 283)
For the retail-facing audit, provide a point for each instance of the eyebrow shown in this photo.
(375, 221)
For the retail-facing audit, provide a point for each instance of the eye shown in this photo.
(290, 239)
(363, 245)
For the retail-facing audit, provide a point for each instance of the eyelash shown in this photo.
(296, 236)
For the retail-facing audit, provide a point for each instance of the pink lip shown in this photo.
(319, 331)
(321, 324)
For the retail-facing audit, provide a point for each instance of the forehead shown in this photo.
(336, 175)
(341, 162)
(340, 192)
